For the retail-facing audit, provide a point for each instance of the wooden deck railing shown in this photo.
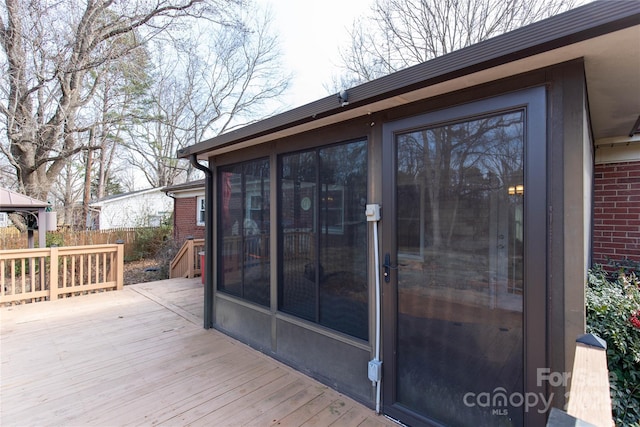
(30, 275)
(589, 397)
(186, 263)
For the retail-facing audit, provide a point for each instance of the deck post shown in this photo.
(190, 257)
(589, 397)
(120, 265)
(589, 402)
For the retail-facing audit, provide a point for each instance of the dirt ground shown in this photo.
(145, 270)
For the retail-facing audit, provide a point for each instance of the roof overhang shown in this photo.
(10, 201)
(604, 34)
(187, 189)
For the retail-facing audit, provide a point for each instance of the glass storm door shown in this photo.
(456, 270)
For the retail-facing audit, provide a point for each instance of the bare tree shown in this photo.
(55, 55)
(216, 80)
(401, 33)
(115, 105)
(67, 191)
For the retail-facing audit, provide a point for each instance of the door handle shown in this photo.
(388, 267)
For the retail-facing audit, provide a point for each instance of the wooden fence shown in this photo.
(11, 238)
(31, 275)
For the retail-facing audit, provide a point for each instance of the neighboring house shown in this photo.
(483, 163)
(143, 208)
(4, 220)
(188, 208)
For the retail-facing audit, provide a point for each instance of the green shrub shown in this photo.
(54, 239)
(613, 313)
(150, 240)
(623, 266)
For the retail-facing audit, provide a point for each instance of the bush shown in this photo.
(149, 241)
(54, 239)
(624, 266)
(613, 313)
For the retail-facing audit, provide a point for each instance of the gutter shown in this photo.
(208, 240)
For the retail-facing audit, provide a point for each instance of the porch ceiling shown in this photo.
(605, 34)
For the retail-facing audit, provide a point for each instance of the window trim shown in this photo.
(316, 228)
(219, 240)
(200, 210)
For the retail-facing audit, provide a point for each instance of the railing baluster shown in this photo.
(13, 277)
(104, 267)
(96, 268)
(53, 273)
(81, 277)
(65, 275)
(32, 274)
(2, 274)
(43, 277)
(23, 282)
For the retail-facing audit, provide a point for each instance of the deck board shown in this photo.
(140, 357)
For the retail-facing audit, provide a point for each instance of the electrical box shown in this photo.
(375, 370)
(372, 212)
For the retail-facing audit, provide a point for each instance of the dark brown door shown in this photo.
(454, 302)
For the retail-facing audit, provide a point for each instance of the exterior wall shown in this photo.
(569, 187)
(562, 268)
(184, 220)
(137, 210)
(616, 212)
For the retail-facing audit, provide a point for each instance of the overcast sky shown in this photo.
(311, 33)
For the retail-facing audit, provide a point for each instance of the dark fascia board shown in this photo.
(184, 186)
(577, 25)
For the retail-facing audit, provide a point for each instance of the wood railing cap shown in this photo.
(592, 341)
(559, 418)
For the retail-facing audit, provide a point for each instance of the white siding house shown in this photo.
(144, 208)
(4, 219)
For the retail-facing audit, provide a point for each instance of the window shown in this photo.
(243, 245)
(323, 237)
(200, 204)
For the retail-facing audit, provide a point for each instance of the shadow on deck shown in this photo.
(140, 356)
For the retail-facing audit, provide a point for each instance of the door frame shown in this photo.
(533, 100)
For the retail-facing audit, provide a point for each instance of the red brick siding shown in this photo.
(184, 220)
(616, 216)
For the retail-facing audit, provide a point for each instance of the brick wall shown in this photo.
(616, 227)
(184, 220)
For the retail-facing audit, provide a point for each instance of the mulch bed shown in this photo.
(144, 270)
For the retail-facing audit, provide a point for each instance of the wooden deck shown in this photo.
(140, 357)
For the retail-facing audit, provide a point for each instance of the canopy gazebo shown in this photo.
(34, 211)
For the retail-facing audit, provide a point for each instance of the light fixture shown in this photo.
(516, 190)
(343, 97)
(635, 130)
